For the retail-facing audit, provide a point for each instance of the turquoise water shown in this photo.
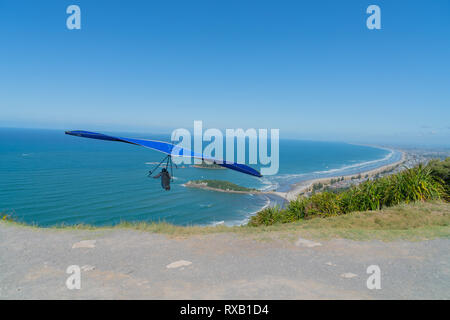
(48, 178)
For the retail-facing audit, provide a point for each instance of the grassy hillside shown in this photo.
(407, 205)
(411, 185)
(416, 221)
(440, 170)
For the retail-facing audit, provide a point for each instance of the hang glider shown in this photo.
(169, 149)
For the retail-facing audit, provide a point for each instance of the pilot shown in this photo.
(165, 179)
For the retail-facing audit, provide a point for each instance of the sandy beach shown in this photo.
(304, 186)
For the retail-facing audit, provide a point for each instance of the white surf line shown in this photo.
(303, 186)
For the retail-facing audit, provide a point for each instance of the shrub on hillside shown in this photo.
(440, 170)
(410, 185)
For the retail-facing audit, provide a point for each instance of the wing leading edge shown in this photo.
(167, 148)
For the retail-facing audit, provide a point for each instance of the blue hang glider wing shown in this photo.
(167, 148)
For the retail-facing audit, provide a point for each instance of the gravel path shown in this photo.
(127, 264)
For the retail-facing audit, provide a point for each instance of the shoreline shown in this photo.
(301, 187)
(207, 168)
(304, 186)
(205, 187)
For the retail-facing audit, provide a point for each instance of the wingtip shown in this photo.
(72, 133)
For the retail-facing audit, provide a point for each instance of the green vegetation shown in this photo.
(410, 185)
(336, 190)
(7, 217)
(205, 165)
(317, 186)
(388, 208)
(415, 221)
(440, 170)
(222, 185)
(336, 180)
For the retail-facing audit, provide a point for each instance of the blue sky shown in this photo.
(310, 68)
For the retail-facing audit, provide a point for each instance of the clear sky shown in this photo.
(310, 68)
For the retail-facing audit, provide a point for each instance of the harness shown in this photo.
(168, 160)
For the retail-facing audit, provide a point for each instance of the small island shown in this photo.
(220, 185)
(208, 165)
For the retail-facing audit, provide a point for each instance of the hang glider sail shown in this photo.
(169, 149)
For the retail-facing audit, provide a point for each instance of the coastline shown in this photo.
(207, 168)
(205, 187)
(299, 188)
(304, 186)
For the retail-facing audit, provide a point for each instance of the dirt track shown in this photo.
(126, 264)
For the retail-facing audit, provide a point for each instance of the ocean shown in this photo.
(48, 178)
